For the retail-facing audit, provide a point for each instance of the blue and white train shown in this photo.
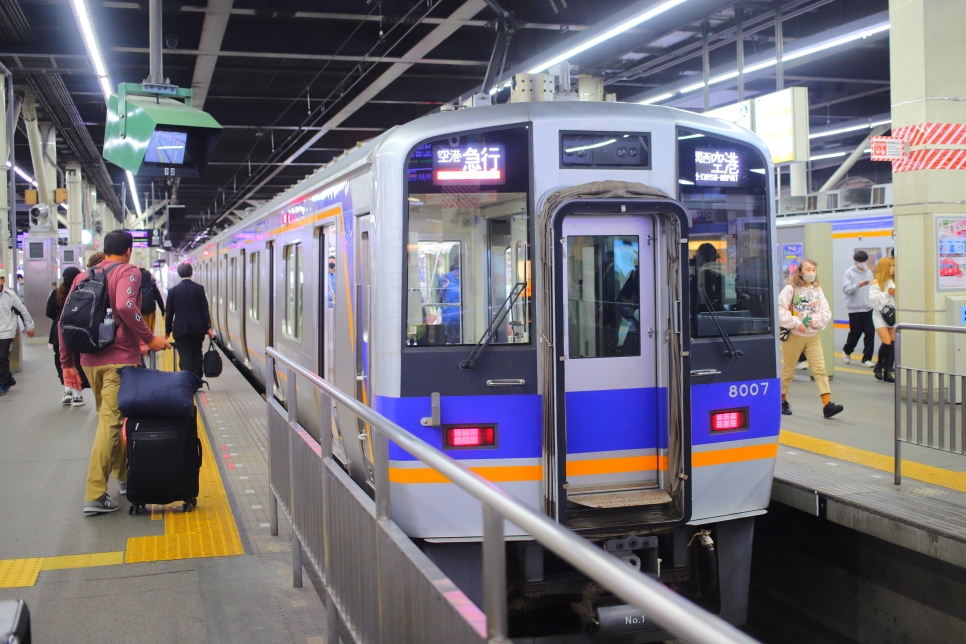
(588, 288)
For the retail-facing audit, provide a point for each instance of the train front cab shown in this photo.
(615, 349)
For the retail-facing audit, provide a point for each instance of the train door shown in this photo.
(362, 322)
(228, 279)
(611, 412)
(243, 308)
(328, 306)
(270, 313)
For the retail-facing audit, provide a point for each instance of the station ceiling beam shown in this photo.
(299, 56)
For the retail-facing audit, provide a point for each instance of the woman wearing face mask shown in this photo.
(882, 294)
(803, 311)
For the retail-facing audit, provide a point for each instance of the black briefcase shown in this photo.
(212, 361)
(14, 622)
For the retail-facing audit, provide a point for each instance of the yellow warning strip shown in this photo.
(19, 573)
(83, 561)
(207, 531)
(916, 471)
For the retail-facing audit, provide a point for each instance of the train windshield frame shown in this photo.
(724, 185)
(467, 228)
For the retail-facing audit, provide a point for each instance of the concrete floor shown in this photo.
(867, 422)
(44, 450)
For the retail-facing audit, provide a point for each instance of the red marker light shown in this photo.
(724, 421)
(469, 437)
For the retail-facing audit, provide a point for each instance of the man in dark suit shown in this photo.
(188, 319)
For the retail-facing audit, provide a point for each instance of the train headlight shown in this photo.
(729, 420)
(469, 436)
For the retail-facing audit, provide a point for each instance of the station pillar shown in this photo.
(925, 36)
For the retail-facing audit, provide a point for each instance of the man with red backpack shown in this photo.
(101, 364)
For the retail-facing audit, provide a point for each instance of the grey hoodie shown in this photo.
(857, 297)
(9, 305)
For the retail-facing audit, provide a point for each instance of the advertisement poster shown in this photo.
(792, 255)
(952, 253)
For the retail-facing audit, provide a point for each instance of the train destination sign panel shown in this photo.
(477, 165)
(718, 168)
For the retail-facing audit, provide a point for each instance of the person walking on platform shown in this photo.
(95, 259)
(151, 298)
(108, 455)
(55, 306)
(188, 319)
(803, 311)
(10, 308)
(882, 295)
(856, 288)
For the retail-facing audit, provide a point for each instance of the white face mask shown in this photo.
(808, 277)
(861, 266)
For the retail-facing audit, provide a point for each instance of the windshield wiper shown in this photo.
(730, 351)
(484, 341)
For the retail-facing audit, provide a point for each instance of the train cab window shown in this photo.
(255, 282)
(724, 185)
(468, 239)
(604, 296)
(233, 288)
(292, 320)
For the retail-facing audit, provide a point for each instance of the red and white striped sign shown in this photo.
(936, 156)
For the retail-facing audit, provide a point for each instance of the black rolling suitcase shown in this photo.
(14, 622)
(163, 461)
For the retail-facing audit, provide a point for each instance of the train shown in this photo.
(587, 291)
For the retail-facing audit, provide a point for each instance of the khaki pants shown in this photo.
(812, 346)
(108, 455)
(149, 320)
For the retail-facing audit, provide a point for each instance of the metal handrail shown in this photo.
(897, 465)
(669, 609)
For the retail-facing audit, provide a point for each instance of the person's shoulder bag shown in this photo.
(212, 361)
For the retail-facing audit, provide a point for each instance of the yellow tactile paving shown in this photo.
(19, 573)
(82, 561)
(916, 471)
(207, 531)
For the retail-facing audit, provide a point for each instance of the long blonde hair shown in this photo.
(882, 272)
(795, 279)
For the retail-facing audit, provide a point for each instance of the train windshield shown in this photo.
(724, 185)
(467, 239)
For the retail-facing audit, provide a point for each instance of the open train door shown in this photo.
(618, 438)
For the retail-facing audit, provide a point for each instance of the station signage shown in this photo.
(781, 120)
(888, 148)
(146, 238)
(476, 165)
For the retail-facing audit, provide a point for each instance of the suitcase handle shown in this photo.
(199, 453)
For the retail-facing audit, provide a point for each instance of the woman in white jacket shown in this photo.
(803, 311)
(882, 293)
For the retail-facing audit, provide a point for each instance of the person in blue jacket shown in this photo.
(449, 293)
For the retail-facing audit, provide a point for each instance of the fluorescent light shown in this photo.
(592, 146)
(659, 97)
(685, 182)
(758, 170)
(851, 128)
(691, 136)
(82, 15)
(831, 155)
(23, 175)
(630, 23)
(134, 192)
(878, 123)
(834, 42)
(691, 88)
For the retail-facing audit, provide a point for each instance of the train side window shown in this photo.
(292, 321)
(255, 284)
(233, 289)
(467, 238)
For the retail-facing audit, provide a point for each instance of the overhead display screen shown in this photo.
(471, 164)
(721, 167)
(142, 238)
(166, 147)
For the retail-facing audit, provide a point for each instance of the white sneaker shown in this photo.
(78, 402)
(846, 358)
(869, 364)
(802, 365)
(68, 398)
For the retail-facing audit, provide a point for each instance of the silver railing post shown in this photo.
(269, 395)
(897, 367)
(380, 457)
(291, 396)
(494, 576)
(331, 612)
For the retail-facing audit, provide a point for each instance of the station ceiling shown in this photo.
(296, 82)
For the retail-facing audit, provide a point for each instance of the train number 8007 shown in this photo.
(753, 389)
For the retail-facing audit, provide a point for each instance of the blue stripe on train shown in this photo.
(519, 435)
(615, 419)
(763, 403)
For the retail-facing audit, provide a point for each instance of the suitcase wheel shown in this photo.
(135, 509)
(189, 505)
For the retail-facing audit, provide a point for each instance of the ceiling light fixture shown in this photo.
(831, 155)
(85, 23)
(617, 30)
(851, 128)
(23, 175)
(134, 192)
(655, 99)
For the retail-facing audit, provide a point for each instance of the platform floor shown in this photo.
(842, 468)
(212, 575)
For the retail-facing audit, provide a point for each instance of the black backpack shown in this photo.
(148, 304)
(82, 321)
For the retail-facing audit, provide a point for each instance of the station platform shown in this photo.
(211, 575)
(841, 468)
